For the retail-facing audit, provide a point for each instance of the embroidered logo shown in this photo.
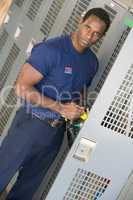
(68, 69)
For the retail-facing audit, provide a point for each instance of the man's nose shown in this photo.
(89, 34)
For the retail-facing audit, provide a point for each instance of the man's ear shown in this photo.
(81, 21)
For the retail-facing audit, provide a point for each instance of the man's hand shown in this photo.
(71, 111)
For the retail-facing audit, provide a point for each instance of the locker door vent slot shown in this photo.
(73, 20)
(7, 109)
(3, 38)
(19, 3)
(34, 8)
(112, 13)
(112, 59)
(119, 116)
(86, 186)
(7, 67)
(51, 17)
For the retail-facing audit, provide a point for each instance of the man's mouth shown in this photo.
(84, 42)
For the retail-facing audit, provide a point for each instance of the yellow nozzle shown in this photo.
(84, 116)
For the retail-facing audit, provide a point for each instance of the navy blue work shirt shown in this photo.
(65, 71)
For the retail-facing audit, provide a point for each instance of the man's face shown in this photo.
(90, 31)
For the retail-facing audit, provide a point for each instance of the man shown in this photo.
(4, 7)
(49, 82)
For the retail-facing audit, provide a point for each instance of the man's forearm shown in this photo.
(70, 110)
(30, 94)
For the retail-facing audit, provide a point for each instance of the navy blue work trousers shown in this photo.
(30, 147)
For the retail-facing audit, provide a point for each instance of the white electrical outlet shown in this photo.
(84, 149)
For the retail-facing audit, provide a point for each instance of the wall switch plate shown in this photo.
(84, 149)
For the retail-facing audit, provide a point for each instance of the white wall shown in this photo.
(128, 3)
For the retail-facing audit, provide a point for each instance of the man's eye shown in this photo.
(87, 27)
(97, 34)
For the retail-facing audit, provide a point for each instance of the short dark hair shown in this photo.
(100, 13)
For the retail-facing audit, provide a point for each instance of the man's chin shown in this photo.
(86, 45)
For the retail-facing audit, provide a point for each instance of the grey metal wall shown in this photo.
(101, 158)
(107, 50)
(29, 18)
(39, 19)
